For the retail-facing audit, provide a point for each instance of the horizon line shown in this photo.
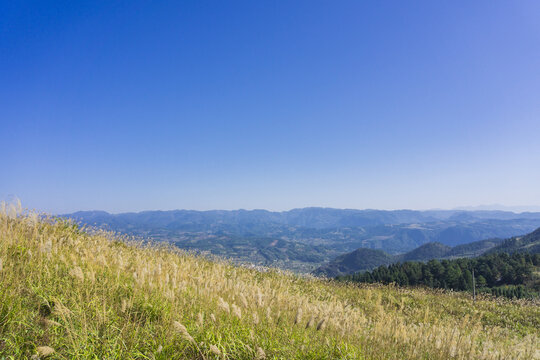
(489, 208)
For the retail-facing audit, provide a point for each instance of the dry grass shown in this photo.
(72, 294)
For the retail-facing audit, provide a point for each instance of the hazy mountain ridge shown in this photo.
(313, 217)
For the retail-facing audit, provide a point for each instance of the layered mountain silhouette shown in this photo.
(368, 259)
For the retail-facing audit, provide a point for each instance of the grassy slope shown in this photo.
(96, 297)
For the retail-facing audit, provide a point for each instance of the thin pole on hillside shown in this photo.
(473, 286)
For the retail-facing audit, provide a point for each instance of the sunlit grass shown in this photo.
(66, 293)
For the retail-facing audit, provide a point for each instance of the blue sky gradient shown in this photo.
(128, 106)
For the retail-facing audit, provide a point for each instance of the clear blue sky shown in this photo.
(127, 106)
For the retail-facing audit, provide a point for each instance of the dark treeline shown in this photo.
(500, 274)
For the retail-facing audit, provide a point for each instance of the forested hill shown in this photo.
(527, 243)
(367, 259)
(357, 260)
(363, 259)
(510, 275)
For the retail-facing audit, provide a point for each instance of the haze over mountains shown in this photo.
(303, 239)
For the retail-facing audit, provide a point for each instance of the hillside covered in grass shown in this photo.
(67, 293)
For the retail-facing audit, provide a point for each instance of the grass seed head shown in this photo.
(61, 310)
(47, 247)
(52, 323)
(44, 351)
(214, 350)
(261, 355)
(244, 301)
(181, 329)
(77, 273)
(298, 317)
(200, 319)
(236, 311)
(223, 305)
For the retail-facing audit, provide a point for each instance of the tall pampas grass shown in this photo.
(261, 355)
(44, 351)
(77, 273)
(236, 311)
(215, 350)
(223, 305)
(298, 316)
(181, 329)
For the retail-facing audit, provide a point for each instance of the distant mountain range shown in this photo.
(318, 218)
(368, 259)
(304, 239)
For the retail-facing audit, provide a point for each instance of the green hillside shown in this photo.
(514, 275)
(527, 243)
(425, 252)
(367, 259)
(360, 259)
(70, 294)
